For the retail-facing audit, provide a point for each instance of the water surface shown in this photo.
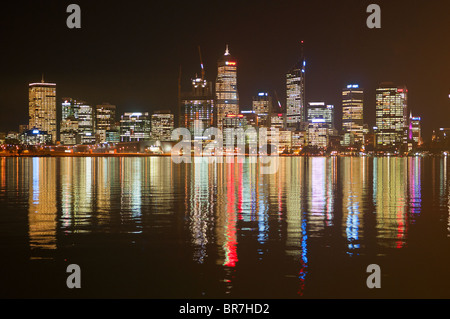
(144, 227)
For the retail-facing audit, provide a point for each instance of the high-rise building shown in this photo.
(415, 131)
(352, 115)
(391, 115)
(70, 108)
(197, 107)
(278, 120)
(86, 123)
(134, 127)
(227, 98)
(42, 108)
(262, 107)
(68, 129)
(320, 118)
(162, 124)
(105, 120)
(295, 95)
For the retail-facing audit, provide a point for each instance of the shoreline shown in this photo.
(169, 155)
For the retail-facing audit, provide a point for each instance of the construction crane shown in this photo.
(201, 63)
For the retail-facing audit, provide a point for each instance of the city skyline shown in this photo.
(143, 77)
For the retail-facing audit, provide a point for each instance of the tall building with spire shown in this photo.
(295, 94)
(227, 97)
(42, 107)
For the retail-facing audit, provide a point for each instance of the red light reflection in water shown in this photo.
(230, 244)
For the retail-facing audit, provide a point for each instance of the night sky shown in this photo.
(128, 53)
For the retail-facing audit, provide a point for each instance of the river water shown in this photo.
(145, 227)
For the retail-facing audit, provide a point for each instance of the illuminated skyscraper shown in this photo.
(105, 120)
(162, 123)
(391, 115)
(86, 123)
(320, 123)
(42, 108)
(262, 107)
(197, 107)
(352, 114)
(134, 127)
(295, 95)
(68, 130)
(227, 98)
(415, 132)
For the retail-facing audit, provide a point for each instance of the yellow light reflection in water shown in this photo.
(42, 206)
(390, 199)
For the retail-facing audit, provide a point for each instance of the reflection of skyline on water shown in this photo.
(228, 214)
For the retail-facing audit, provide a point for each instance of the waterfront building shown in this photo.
(227, 97)
(86, 123)
(415, 131)
(391, 116)
(278, 120)
(320, 117)
(69, 128)
(69, 131)
(352, 115)
(262, 107)
(35, 137)
(105, 119)
(197, 107)
(295, 95)
(134, 127)
(42, 108)
(162, 124)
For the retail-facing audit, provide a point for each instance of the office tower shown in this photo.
(278, 120)
(320, 119)
(105, 120)
(415, 132)
(162, 124)
(134, 127)
(391, 115)
(262, 107)
(278, 117)
(352, 115)
(86, 123)
(68, 129)
(197, 107)
(295, 95)
(70, 108)
(227, 98)
(42, 108)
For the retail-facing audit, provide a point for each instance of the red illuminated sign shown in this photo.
(230, 63)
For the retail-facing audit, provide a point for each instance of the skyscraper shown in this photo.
(134, 127)
(197, 107)
(42, 108)
(162, 124)
(227, 98)
(86, 123)
(262, 107)
(69, 129)
(415, 132)
(295, 95)
(391, 115)
(105, 120)
(320, 123)
(352, 114)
